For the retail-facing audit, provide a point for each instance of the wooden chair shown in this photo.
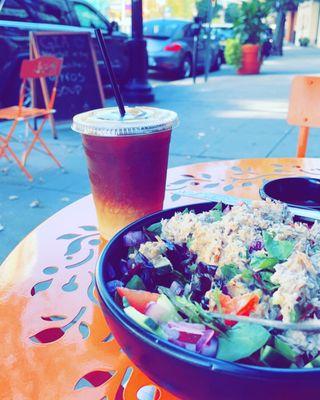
(39, 68)
(304, 108)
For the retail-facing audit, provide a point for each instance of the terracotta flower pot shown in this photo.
(251, 61)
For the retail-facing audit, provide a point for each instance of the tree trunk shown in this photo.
(279, 33)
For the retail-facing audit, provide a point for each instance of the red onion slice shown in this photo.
(204, 340)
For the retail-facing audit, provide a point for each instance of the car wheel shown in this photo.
(216, 63)
(185, 69)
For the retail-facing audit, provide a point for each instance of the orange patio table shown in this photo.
(55, 343)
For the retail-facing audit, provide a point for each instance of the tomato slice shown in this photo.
(239, 305)
(139, 299)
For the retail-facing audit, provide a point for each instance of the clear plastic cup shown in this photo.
(127, 162)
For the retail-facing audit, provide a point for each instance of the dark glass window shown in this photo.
(162, 29)
(88, 18)
(12, 10)
(49, 11)
(188, 33)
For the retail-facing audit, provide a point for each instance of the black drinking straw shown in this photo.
(110, 71)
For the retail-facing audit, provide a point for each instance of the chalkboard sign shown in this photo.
(79, 88)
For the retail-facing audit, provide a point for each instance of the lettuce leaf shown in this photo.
(280, 249)
(241, 341)
(229, 271)
(261, 263)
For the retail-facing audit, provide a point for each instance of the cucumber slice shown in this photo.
(163, 266)
(285, 350)
(316, 362)
(273, 358)
(151, 324)
(145, 322)
(125, 302)
(171, 314)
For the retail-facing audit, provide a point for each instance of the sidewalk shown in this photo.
(228, 117)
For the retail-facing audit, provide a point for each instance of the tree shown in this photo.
(181, 8)
(203, 10)
(281, 7)
(231, 13)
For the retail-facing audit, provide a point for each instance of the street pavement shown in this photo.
(230, 116)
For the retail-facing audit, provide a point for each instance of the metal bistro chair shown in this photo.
(304, 108)
(39, 68)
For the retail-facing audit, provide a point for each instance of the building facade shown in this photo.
(304, 23)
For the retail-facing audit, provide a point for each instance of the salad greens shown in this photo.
(179, 273)
(155, 228)
(241, 341)
(262, 262)
(229, 271)
(192, 310)
(279, 249)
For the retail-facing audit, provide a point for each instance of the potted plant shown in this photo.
(304, 41)
(250, 28)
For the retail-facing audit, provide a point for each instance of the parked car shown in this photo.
(19, 17)
(170, 47)
(221, 33)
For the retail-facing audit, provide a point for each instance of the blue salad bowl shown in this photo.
(186, 374)
(300, 191)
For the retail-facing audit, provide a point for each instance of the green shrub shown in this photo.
(233, 52)
(304, 42)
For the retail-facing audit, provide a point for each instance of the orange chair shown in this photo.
(40, 68)
(304, 108)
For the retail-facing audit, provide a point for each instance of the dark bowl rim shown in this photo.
(264, 195)
(164, 345)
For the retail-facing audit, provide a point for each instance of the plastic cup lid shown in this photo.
(137, 121)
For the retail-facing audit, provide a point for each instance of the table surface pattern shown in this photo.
(55, 342)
